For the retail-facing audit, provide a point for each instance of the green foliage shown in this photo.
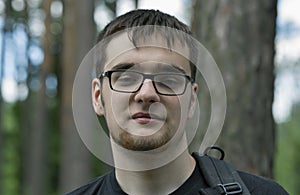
(11, 157)
(288, 157)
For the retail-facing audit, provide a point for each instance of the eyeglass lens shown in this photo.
(129, 81)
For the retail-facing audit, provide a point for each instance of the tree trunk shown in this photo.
(240, 36)
(36, 165)
(78, 38)
(136, 4)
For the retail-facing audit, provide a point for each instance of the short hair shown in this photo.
(143, 17)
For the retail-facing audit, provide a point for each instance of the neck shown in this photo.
(162, 180)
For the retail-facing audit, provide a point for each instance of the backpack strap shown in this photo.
(221, 177)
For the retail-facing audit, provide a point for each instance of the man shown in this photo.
(146, 91)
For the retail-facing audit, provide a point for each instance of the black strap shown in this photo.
(230, 188)
(221, 177)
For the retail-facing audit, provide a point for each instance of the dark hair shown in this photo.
(141, 17)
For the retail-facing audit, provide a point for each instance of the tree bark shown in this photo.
(240, 36)
(136, 4)
(78, 38)
(36, 160)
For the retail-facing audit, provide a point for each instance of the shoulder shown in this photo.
(94, 186)
(256, 185)
(261, 185)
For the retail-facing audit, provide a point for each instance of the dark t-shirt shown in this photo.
(108, 185)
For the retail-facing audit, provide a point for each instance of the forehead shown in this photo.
(152, 50)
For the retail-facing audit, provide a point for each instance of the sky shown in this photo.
(287, 90)
(288, 43)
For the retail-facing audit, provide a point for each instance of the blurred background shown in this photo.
(256, 44)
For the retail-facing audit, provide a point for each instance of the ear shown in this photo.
(96, 97)
(194, 100)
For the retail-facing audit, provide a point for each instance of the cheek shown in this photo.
(116, 103)
(173, 110)
(178, 110)
(117, 111)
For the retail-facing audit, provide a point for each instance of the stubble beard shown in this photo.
(143, 143)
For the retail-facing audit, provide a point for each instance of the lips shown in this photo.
(144, 118)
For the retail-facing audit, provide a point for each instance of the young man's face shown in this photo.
(141, 119)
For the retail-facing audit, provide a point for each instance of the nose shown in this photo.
(147, 93)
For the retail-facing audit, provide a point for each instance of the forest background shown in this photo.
(42, 43)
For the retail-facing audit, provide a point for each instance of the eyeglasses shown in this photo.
(126, 81)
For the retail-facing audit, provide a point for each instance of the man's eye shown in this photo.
(171, 81)
(126, 79)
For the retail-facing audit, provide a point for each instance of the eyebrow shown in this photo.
(161, 67)
(123, 66)
(168, 68)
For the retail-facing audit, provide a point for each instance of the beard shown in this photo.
(143, 143)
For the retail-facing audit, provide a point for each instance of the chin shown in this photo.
(142, 143)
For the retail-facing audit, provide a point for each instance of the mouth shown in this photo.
(144, 118)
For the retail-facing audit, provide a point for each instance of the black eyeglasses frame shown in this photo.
(145, 76)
